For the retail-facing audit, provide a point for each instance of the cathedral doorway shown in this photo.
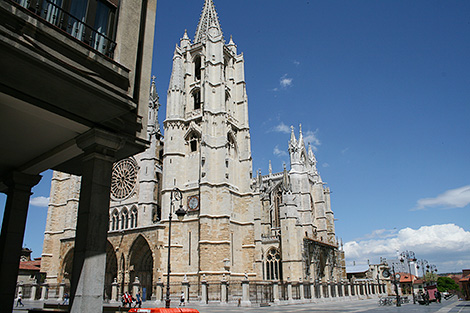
(141, 265)
(111, 270)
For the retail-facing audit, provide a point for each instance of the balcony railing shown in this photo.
(60, 18)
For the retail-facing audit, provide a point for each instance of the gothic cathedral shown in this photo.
(279, 226)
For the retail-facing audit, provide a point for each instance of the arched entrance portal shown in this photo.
(67, 265)
(141, 265)
(111, 270)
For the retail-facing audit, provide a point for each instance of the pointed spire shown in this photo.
(185, 36)
(311, 156)
(207, 20)
(293, 141)
(153, 94)
(285, 179)
(301, 137)
(270, 168)
(185, 41)
(232, 46)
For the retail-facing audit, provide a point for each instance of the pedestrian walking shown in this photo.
(138, 301)
(182, 298)
(18, 301)
(66, 299)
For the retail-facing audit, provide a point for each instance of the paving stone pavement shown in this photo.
(352, 306)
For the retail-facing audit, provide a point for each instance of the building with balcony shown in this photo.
(73, 97)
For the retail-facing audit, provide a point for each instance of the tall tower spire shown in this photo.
(208, 19)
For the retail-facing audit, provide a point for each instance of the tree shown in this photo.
(446, 284)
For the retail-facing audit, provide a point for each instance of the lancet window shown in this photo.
(272, 263)
(193, 142)
(134, 218)
(197, 99)
(125, 219)
(115, 220)
(197, 68)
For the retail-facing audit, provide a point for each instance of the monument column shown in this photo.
(11, 238)
(93, 218)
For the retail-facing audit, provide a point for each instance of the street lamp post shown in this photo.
(396, 276)
(409, 256)
(423, 264)
(178, 196)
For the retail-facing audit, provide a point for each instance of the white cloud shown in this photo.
(39, 201)
(285, 81)
(325, 165)
(282, 128)
(279, 152)
(297, 63)
(447, 246)
(453, 198)
(311, 136)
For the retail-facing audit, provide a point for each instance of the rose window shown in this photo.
(124, 179)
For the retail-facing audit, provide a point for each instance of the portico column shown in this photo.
(11, 238)
(276, 292)
(89, 260)
(302, 291)
(312, 289)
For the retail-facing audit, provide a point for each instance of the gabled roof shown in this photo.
(31, 265)
(208, 19)
(465, 279)
(407, 278)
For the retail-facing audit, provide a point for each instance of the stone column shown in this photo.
(289, 290)
(43, 292)
(159, 293)
(312, 289)
(302, 291)
(114, 291)
(89, 260)
(61, 292)
(349, 289)
(34, 287)
(327, 289)
(336, 288)
(204, 291)
(276, 292)
(320, 289)
(11, 237)
(223, 290)
(245, 292)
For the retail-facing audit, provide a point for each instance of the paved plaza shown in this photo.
(369, 305)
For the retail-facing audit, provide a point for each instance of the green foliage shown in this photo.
(446, 284)
(430, 277)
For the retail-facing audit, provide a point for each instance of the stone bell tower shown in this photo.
(207, 155)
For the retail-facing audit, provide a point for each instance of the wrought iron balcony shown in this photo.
(55, 15)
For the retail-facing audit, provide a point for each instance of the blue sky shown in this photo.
(381, 89)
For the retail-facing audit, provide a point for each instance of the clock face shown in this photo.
(193, 202)
(123, 179)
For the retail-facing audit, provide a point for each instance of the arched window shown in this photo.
(125, 219)
(115, 220)
(227, 103)
(273, 265)
(197, 68)
(197, 99)
(134, 218)
(193, 143)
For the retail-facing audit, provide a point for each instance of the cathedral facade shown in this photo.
(275, 227)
